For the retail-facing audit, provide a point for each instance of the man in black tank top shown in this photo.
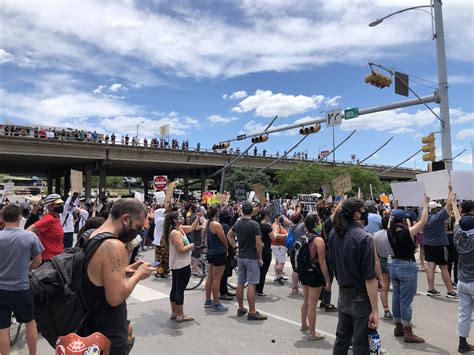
(109, 279)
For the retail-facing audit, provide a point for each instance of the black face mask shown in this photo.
(364, 217)
(129, 234)
(59, 209)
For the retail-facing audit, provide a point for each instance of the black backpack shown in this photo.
(59, 302)
(300, 255)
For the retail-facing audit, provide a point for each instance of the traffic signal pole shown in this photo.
(400, 104)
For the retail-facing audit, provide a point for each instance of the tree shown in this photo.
(246, 176)
(308, 178)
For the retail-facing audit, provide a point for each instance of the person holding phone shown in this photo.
(174, 235)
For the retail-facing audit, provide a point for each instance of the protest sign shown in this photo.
(260, 192)
(169, 192)
(160, 197)
(409, 193)
(342, 184)
(436, 184)
(139, 196)
(76, 181)
(239, 191)
(325, 188)
(384, 198)
(251, 196)
(463, 184)
(226, 199)
(273, 209)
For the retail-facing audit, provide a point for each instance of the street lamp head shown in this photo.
(376, 22)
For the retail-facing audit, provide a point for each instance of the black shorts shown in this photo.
(313, 277)
(18, 302)
(217, 260)
(436, 254)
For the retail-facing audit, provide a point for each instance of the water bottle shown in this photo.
(374, 342)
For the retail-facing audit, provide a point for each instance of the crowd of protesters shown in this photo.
(365, 246)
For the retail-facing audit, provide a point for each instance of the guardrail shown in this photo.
(191, 150)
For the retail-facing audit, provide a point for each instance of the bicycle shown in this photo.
(198, 271)
(15, 329)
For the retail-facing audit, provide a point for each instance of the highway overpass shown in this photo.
(54, 158)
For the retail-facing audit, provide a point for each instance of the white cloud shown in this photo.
(460, 79)
(5, 57)
(332, 101)
(179, 126)
(465, 159)
(465, 133)
(396, 121)
(220, 119)
(116, 87)
(267, 104)
(98, 90)
(402, 130)
(250, 36)
(235, 95)
(458, 116)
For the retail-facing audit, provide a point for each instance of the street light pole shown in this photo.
(446, 147)
(437, 16)
(138, 125)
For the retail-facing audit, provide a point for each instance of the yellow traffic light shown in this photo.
(429, 147)
(310, 129)
(224, 145)
(378, 80)
(260, 139)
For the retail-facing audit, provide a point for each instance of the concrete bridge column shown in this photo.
(102, 182)
(186, 187)
(145, 186)
(49, 179)
(88, 182)
(203, 182)
(57, 187)
(67, 182)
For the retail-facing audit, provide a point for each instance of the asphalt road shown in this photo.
(435, 319)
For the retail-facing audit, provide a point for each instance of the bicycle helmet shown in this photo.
(52, 198)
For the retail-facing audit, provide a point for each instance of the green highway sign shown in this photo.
(351, 113)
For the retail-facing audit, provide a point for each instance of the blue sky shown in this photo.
(215, 69)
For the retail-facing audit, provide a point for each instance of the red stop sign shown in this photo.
(160, 182)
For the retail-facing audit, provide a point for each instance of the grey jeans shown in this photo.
(466, 307)
(353, 313)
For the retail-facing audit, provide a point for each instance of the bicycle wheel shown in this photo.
(15, 329)
(198, 273)
(232, 280)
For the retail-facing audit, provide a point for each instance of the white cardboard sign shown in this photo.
(436, 184)
(160, 197)
(409, 193)
(463, 184)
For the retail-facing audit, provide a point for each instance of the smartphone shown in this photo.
(155, 264)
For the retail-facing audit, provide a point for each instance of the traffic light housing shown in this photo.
(429, 147)
(310, 129)
(260, 139)
(223, 145)
(378, 80)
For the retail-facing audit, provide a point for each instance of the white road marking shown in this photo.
(144, 294)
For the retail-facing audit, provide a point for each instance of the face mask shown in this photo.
(59, 209)
(365, 217)
(128, 234)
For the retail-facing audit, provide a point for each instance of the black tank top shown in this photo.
(108, 320)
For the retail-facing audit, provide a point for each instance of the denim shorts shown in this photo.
(249, 272)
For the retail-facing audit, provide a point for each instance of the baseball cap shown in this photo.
(433, 204)
(399, 215)
(352, 204)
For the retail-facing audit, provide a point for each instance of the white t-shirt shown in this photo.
(159, 217)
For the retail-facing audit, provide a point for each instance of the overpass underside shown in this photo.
(53, 158)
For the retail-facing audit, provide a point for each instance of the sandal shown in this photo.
(173, 316)
(304, 328)
(331, 308)
(184, 318)
(316, 336)
(295, 291)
